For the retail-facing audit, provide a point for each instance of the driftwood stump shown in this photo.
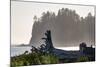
(48, 41)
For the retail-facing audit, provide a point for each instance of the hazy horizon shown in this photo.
(22, 14)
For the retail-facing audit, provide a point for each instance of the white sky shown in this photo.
(22, 14)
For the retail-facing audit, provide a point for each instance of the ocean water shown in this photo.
(17, 50)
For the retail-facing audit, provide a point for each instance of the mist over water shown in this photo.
(67, 28)
(16, 50)
(69, 24)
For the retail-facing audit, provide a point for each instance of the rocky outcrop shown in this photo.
(67, 27)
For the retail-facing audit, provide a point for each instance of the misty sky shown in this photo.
(22, 14)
